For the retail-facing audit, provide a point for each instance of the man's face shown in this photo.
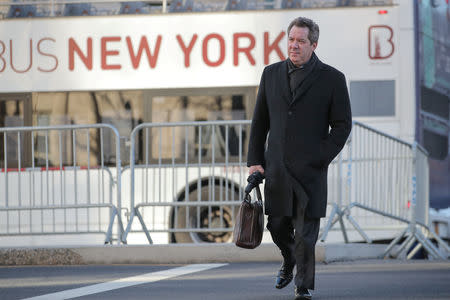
(299, 47)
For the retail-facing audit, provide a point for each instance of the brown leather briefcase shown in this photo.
(249, 226)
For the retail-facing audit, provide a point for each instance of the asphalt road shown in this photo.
(368, 279)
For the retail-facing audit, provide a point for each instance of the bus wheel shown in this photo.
(204, 217)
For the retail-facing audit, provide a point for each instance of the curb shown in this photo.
(175, 254)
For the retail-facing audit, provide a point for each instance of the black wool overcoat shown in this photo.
(304, 130)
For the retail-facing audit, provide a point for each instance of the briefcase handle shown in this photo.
(258, 193)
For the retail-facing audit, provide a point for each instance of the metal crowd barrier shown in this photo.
(375, 174)
(386, 188)
(378, 175)
(188, 183)
(41, 195)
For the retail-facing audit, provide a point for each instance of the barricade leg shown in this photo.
(358, 228)
(335, 216)
(428, 246)
(127, 230)
(407, 243)
(332, 219)
(120, 224)
(135, 212)
(393, 243)
(414, 251)
(439, 240)
(149, 238)
(344, 232)
(108, 238)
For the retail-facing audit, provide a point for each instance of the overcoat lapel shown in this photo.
(284, 78)
(309, 81)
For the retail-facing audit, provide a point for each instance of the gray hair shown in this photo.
(313, 34)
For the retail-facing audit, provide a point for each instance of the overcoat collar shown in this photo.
(306, 84)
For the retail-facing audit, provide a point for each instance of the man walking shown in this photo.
(291, 142)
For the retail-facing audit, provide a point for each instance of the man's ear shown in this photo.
(314, 45)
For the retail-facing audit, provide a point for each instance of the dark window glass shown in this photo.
(435, 103)
(372, 98)
(436, 144)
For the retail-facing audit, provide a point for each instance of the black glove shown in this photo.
(253, 180)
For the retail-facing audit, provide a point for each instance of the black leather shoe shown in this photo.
(302, 293)
(284, 276)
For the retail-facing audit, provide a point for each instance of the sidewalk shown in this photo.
(176, 254)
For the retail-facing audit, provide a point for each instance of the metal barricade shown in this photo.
(386, 188)
(186, 180)
(381, 170)
(49, 186)
(374, 173)
(178, 161)
(180, 168)
(376, 182)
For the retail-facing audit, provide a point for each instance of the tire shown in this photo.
(200, 217)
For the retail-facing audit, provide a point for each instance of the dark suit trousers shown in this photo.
(296, 237)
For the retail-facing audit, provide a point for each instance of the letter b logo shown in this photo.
(380, 42)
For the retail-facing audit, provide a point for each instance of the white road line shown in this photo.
(126, 282)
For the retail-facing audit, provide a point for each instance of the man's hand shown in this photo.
(255, 168)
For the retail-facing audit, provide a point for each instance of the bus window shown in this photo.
(15, 111)
(372, 98)
(125, 110)
(121, 109)
(207, 141)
